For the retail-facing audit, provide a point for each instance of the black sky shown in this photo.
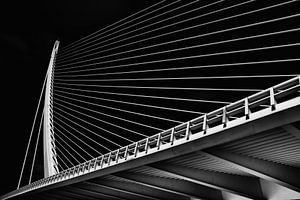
(27, 34)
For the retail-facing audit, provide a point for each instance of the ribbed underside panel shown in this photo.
(205, 162)
(275, 145)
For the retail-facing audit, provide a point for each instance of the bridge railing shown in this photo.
(220, 118)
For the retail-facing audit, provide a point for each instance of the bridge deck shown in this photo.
(248, 149)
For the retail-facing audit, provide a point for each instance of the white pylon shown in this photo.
(50, 160)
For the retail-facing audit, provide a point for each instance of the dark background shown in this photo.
(27, 33)
(29, 29)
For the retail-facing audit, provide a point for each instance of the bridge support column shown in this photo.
(50, 161)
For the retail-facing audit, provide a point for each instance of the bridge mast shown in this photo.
(50, 160)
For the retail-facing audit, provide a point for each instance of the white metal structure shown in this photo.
(50, 161)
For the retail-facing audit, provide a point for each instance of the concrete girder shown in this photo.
(235, 184)
(282, 174)
(113, 185)
(80, 194)
(58, 196)
(127, 185)
(292, 130)
(163, 192)
(70, 195)
(93, 193)
(107, 191)
(180, 187)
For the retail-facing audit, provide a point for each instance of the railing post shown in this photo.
(126, 152)
(108, 159)
(136, 149)
(224, 117)
(247, 110)
(102, 161)
(147, 145)
(117, 155)
(187, 133)
(95, 164)
(90, 165)
(272, 99)
(172, 136)
(158, 141)
(205, 126)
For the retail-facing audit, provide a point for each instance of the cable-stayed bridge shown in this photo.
(181, 100)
